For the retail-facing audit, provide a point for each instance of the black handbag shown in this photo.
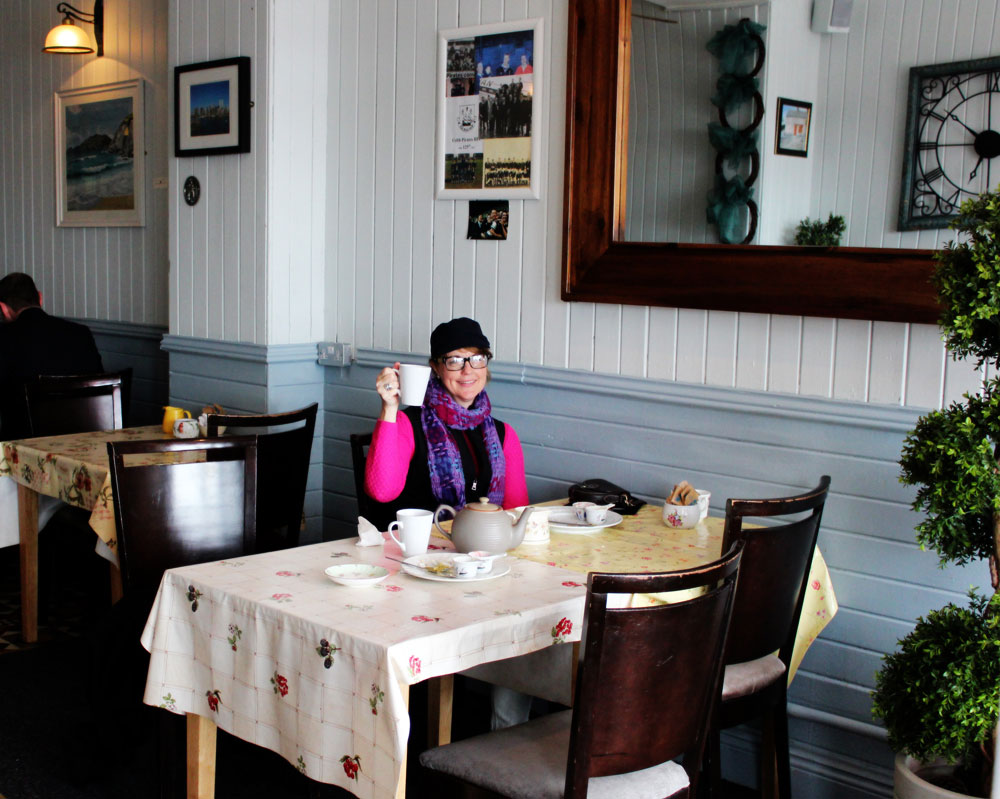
(601, 492)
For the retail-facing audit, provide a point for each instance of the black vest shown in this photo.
(417, 491)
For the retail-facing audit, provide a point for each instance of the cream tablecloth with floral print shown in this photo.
(275, 653)
(73, 468)
(643, 543)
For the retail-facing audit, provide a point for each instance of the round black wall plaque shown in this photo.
(192, 190)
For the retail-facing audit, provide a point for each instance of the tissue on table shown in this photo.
(368, 534)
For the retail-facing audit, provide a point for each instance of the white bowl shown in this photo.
(356, 574)
(681, 517)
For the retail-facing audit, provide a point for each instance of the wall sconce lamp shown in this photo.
(69, 38)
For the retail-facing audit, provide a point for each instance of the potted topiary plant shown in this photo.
(938, 694)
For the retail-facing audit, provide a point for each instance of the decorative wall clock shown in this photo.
(952, 147)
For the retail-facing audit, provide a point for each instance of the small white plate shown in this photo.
(416, 566)
(563, 520)
(356, 574)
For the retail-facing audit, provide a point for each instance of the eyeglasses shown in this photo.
(456, 364)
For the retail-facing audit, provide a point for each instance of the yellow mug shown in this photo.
(170, 415)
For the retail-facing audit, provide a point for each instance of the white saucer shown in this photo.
(356, 574)
(416, 566)
(563, 520)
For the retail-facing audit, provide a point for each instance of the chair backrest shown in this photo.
(775, 571)
(367, 507)
(58, 405)
(649, 677)
(282, 469)
(194, 504)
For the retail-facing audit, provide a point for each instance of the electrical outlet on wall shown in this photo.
(334, 353)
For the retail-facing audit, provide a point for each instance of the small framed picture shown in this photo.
(99, 156)
(488, 219)
(212, 107)
(791, 133)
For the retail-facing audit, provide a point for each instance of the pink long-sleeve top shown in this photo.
(392, 450)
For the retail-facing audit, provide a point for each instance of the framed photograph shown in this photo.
(212, 107)
(99, 156)
(490, 119)
(791, 133)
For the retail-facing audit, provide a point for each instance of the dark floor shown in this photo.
(50, 746)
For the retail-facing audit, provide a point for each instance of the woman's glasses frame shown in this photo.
(456, 363)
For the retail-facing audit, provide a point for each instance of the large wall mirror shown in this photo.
(603, 264)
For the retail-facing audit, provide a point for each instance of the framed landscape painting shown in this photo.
(212, 107)
(792, 130)
(490, 114)
(99, 156)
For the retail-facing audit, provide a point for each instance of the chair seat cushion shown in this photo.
(529, 762)
(744, 679)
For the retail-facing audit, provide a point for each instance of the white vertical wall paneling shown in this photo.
(387, 71)
(229, 276)
(290, 91)
(721, 331)
(370, 218)
(661, 358)
(423, 149)
(296, 175)
(885, 379)
(926, 357)
(330, 298)
(86, 272)
(816, 360)
(851, 360)
(751, 351)
(554, 345)
(403, 219)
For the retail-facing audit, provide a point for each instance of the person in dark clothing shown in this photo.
(33, 343)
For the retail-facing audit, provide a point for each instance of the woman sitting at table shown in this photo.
(450, 449)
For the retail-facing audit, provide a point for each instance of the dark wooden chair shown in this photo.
(773, 583)
(195, 504)
(647, 683)
(373, 511)
(283, 453)
(58, 405)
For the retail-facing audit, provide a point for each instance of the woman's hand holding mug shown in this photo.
(387, 386)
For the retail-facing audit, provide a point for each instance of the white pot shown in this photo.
(909, 786)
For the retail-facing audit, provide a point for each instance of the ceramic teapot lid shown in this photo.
(483, 504)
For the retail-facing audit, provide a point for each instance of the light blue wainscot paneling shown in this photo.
(128, 345)
(648, 435)
(253, 378)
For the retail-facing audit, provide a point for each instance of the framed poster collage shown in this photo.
(490, 112)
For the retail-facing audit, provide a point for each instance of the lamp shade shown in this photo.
(68, 38)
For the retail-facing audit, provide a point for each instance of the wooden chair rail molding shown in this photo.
(843, 282)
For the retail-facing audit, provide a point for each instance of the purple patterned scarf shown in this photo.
(440, 411)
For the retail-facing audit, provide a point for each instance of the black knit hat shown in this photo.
(457, 334)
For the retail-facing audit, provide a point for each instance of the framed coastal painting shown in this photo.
(212, 107)
(99, 156)
(490, 113)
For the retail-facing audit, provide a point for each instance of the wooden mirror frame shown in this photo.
(599, 266)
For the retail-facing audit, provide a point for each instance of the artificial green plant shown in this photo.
(938, 695)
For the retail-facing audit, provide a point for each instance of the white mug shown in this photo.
(186, 428)
(414, 525)
(413, 383)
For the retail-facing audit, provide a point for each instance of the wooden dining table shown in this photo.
(72, 468)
